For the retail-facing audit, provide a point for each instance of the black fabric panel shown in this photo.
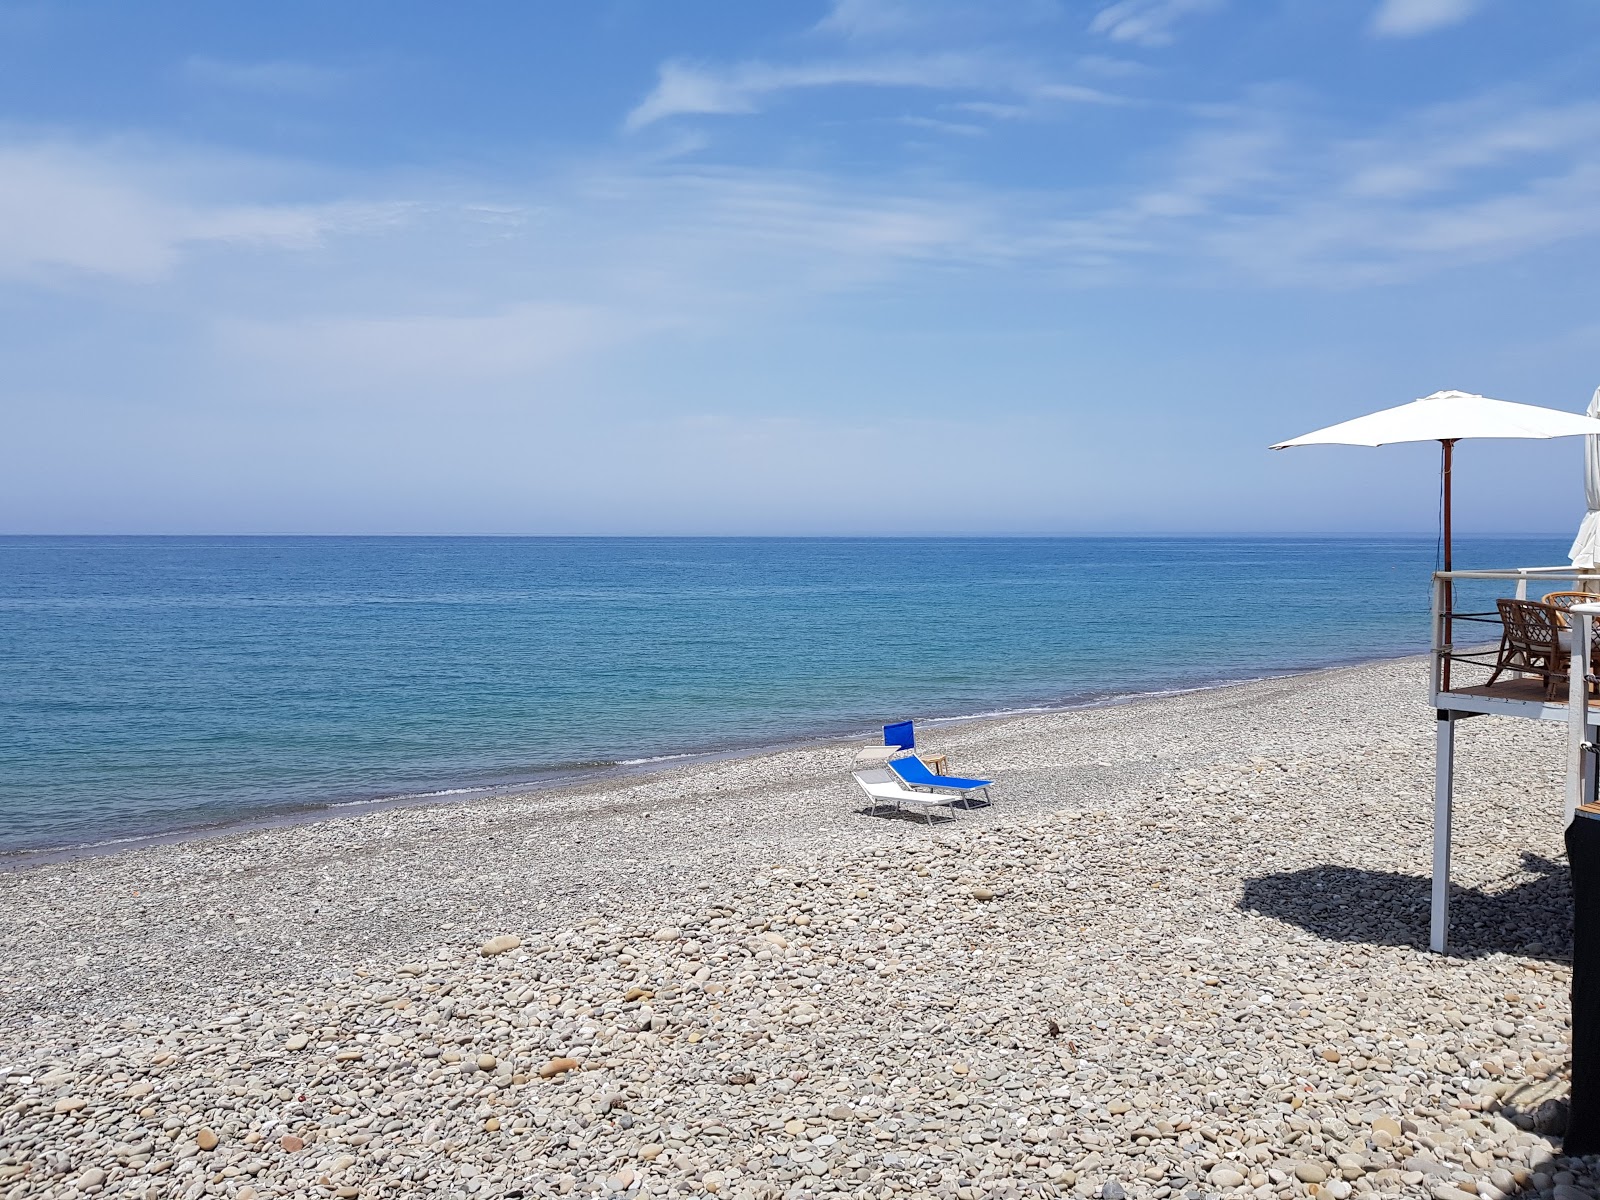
(1583, 855)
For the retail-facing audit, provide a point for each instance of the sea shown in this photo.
(156, 686)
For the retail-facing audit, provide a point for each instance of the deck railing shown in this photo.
(1465, 623)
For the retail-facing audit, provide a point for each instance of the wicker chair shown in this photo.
(1531, 644)
(1561, 601)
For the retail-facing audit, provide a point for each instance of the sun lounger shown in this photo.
(882, 787)
(915, 773)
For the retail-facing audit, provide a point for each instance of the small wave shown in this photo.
(639, 762)
(464, 791)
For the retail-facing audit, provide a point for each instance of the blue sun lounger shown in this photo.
(915, 773)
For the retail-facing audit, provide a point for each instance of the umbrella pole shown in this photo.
(1449, 584)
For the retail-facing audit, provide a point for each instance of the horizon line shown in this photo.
(879, 536)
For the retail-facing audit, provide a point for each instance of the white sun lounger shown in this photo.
(882, 786)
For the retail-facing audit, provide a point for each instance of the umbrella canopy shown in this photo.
(1447, 418)
(1450, 417)
(1585, 550)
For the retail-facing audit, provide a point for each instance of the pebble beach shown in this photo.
(1182, 954)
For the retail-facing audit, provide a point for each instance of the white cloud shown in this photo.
(281, 76)
(899, 20)
(869, 18)
(514, 279)
(1147, 22)
(1410, 18)
(113, 211)
(685, 90)
(1262, 199)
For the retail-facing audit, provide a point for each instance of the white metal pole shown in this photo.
(1582, 629)
(1443, 794)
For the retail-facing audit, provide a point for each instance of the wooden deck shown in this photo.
(1509, 698)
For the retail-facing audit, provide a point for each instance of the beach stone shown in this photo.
(206, 1139)
(499, 945)
(909, 1043)
(70, 1105)
(667, 933)
(557, 1066)
(1350, 1166)
(298, 1041)
(987, 894)
(1111, 1189)
(1221, 1176)
(92, 1178)
(1310, 1172)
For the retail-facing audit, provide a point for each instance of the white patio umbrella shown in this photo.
(1585, 550)
(1447, 418)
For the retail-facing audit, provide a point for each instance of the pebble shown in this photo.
(1189, 986)
(499, 945)
(1225, 1177)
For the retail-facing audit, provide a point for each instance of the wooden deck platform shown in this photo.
(1509, 698)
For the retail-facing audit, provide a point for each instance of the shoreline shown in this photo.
(578, 777)
(1185, 950)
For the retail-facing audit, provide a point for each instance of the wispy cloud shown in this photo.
(683, 89)
(281, 76)
(1411, 18)
(870, 18)
(117, 211)
(510, 279)
(899, 20)
(1147, 22)
(1264, 198)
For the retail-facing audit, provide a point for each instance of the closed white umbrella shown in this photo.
(1447, 418)
(1585, 550)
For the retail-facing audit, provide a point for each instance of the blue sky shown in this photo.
(875, 266)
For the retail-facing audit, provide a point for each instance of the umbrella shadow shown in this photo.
(1387, 908)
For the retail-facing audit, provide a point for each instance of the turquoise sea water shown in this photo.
(158, 684)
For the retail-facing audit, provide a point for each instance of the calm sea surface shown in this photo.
(157, 684)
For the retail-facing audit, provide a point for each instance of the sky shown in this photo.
(867, 267)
